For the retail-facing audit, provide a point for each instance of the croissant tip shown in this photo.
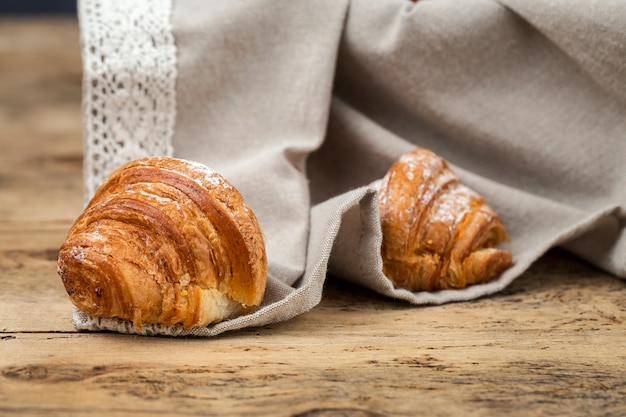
(487, 264)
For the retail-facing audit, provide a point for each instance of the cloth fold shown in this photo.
(304, 106)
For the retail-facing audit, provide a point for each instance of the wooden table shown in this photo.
(553, 343)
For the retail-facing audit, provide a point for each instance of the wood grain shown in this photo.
(553, 343)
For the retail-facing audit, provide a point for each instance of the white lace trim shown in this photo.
(129, 96)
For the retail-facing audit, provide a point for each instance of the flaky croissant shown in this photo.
(437, 233)
(165, 241)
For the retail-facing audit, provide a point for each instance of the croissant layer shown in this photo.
(437, 233)
(166, 241)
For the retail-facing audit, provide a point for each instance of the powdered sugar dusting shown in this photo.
(431, 186)
(422, 164)
(217, 180)
(96, 236)
(198, 167)
(453, 206)
(78, 253)
(207, 176)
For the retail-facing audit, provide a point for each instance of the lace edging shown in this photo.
(129, 95)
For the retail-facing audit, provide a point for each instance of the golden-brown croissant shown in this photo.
(165, 241)
(437, 233)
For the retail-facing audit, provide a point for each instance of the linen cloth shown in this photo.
(304, 106)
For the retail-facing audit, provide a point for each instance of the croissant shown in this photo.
(165, 241)
(437, 233)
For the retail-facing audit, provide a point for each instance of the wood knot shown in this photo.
(338, 412)
(26, 373)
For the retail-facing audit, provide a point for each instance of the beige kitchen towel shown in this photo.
(304, 106)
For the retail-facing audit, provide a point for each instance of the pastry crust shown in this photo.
(437, 233)
(165, 241)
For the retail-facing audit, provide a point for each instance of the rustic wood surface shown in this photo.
(553, 343)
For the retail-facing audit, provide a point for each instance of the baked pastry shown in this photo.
(165, 241)
(437, 233)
